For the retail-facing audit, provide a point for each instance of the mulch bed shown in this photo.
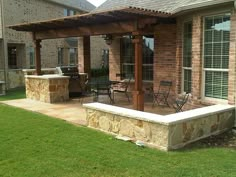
(226, 140)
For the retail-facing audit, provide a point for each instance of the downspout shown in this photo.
(3, 44)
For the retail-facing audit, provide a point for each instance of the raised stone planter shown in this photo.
(47, 88)
(162, 132)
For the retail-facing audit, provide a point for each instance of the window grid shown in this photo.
(187, 57)
(216, 55)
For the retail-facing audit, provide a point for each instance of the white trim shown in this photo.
(185, 68)
(216, 69)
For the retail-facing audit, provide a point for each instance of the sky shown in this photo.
(96, 2)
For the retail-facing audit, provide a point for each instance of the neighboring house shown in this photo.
(193, 44)
(16, 48)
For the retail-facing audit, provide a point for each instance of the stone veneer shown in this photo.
(47, 88)
(162, 132)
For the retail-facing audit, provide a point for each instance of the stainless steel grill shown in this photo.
(74, 81)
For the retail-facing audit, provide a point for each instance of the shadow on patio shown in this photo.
(73, 111)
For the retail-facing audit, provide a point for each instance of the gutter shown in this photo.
(3, 44)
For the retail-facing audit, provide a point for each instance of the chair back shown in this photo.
(185, 98)
(120, 76)
(122, 86)
(165, 87)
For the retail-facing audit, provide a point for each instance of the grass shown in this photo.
(34, 145)
(18, 93)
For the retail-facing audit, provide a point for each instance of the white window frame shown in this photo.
(204, 70)
(185, 68)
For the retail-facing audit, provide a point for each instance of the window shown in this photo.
(105, 58)
(73, 56)
(31, 57)
(187, 57)
(12, 59)
(69, 12)
(60, 54)
(128, 57)
(216, 55)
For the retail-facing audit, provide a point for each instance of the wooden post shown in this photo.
(138, 94)
(37, 56)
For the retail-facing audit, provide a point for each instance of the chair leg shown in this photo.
(127, 96)
(113, 95)
(154, 101)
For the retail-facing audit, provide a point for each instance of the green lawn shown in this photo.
(34, 145)
(13, 94)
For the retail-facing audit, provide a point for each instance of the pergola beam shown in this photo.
(93, 30)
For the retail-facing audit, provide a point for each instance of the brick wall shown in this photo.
(165, 55)
(179, 55)
(232, 58)
(197, 57)
(114, 58)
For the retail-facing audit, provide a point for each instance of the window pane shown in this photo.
(31, 57)
(73, 56)
(60, 54)
(187, 57)
(208, 23)
(217, 48)
(128, 57)
(208, 36)
(208, 62)
(217, 36)
(187, 80)
(217, 62)
(216, 55)
(12, 57)
(187, 50)
(225, 62)
(225, 48)
(208, 49)
(216, 84)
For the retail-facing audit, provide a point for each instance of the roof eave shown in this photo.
(192, 7)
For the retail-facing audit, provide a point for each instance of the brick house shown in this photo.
(193, 44)
(196, 51)
(17, 48)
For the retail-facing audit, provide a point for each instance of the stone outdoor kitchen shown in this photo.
(194, 47)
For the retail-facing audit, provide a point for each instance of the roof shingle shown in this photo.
(168, 6)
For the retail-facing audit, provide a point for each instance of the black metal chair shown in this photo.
(103, 88)
(161, 96)
(121, 87)
(180, 102)
(85, 91)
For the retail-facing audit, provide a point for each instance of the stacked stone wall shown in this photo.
(47, 89)
(163, 132)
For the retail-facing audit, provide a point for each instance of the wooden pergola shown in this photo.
(130, 20)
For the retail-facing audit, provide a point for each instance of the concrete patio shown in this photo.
(73, 111)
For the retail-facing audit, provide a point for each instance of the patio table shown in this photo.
(103, 87)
